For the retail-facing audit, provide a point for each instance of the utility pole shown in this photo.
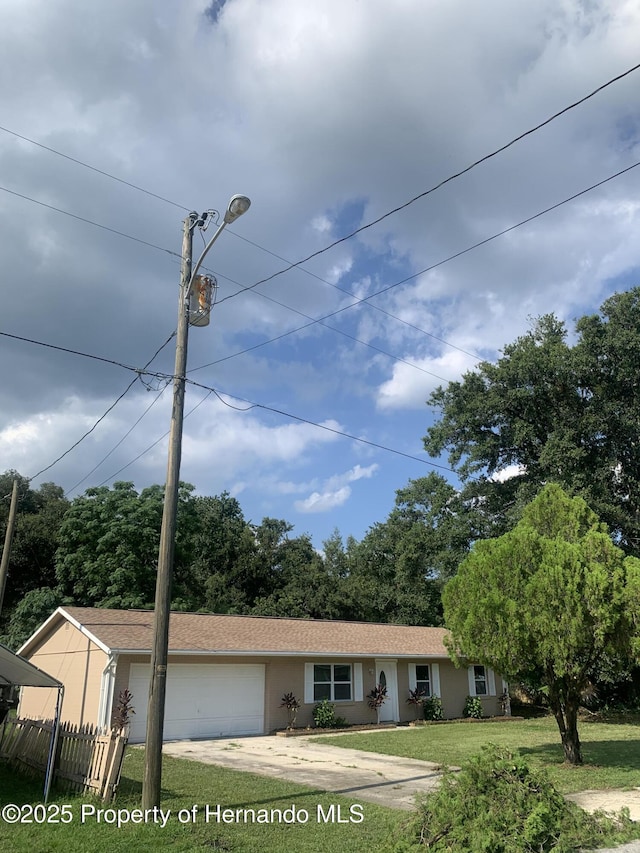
(157, 685)
(8, 538)
(151, 784)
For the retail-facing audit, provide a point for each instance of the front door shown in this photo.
(387, 676)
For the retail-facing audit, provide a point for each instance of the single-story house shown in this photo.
(227, 675)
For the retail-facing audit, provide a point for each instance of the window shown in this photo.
(332, 681)
(423, 682)
(425, 677)
(480, 680)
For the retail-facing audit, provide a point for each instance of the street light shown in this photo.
(238, 205)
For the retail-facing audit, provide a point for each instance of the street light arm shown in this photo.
(219, 231)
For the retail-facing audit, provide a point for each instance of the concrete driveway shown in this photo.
(384, 779)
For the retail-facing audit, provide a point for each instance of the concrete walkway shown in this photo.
(384, 779)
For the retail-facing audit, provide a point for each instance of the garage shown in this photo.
(202, 700)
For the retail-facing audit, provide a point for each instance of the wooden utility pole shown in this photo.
(8, 538)
(152, 780)
(158, 681)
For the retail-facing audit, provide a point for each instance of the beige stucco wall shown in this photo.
(284, 674)
(69, 656)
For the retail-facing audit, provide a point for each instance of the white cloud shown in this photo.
(323, 502)
(409, 389)
(335, 492)
(507, 473)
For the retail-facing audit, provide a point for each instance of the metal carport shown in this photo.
(15, 670)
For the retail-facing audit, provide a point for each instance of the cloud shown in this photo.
(323, 502)
(335, 492)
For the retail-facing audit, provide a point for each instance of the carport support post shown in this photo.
(158, 681)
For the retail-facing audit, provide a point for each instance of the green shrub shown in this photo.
(432, 706)
(324, 716)
(497, 803)
(472, 708)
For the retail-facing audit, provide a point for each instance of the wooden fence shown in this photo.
(87, 758)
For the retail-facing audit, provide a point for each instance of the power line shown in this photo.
(117, 445)
(211, 390)
(92, 168)
(365, 299)
(334, 430)
(139, 370)
(89, 221)
(104, 415)
(151, 446)
(362, 228)
(443, 182)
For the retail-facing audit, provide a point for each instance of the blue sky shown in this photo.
(327, 115)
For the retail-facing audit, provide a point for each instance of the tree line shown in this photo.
(101, 549)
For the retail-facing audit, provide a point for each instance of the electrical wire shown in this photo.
(293, 265)
(90, 222)
(104, 415)
(92, 168)
(117, 445)
(157, 441)
(443, 182)
(365, 299)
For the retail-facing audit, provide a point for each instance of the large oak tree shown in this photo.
(552, 412)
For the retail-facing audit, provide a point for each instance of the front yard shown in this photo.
(185, 784)
(611, 750)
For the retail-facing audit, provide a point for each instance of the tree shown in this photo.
(397, 570)
(552, 413)
(551, 602)
(108, 546)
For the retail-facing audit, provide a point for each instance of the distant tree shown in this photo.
(550, 412)
(108, 546)
(551, 602)
(36, 606)
(397, 570)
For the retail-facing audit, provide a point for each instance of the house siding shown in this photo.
(72, 658)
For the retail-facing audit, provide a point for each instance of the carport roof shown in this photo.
(132, 631)
(16, 670)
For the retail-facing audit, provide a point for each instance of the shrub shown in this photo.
(376, 699)
(324, 716)
(416, 698)
(292, 705)
(432, 706)
(497, 803)
(124, 709)
(472, 708)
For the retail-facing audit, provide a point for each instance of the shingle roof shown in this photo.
(130, 630)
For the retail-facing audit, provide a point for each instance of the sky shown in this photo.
(328, 115)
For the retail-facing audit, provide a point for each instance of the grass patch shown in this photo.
(611, 750)
(186, 783)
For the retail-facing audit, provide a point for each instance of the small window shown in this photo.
(332, 682)
(480, 679)
(423, 682)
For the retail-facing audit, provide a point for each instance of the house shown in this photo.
(226, 675)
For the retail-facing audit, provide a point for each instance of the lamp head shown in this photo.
(238, 205)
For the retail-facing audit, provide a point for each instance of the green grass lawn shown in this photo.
(611, 751)
(186, 783)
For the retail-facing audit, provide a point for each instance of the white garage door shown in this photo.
(203, 700)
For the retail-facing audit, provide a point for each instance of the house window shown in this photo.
(480, 680)
(332, 681)
(423, 682)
